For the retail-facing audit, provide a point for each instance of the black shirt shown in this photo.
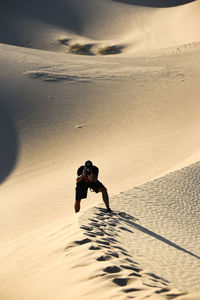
(95, 171)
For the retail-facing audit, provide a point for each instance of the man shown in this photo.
(88, 178)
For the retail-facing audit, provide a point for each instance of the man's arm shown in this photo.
(82, 176)
(95, 173)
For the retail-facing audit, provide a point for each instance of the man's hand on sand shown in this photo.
(109, 210)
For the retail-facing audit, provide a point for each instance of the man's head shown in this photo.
(88, 167)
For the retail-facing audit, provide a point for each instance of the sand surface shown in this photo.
(134, 113)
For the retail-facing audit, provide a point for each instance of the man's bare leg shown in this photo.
(105, 197)
(77, 205)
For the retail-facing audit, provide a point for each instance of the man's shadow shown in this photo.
(130, 222)
(156, 3)
(8, 144)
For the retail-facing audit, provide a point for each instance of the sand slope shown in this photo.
(138, 29)
(158, 225)
(148, 248)
(55, 96)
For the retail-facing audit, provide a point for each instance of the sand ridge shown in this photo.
(95, 24)
(153, 226)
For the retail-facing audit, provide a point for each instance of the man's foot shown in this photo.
(109, 210)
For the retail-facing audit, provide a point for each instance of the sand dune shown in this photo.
(145, 249)
(155, 3)
(55, 26)
(134, 114)
(156, 224)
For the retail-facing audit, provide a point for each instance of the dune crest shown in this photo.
(152, 227)
(99, 24)
(156, 3)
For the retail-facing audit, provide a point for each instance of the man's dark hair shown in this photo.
(88, 164)
(88, 167)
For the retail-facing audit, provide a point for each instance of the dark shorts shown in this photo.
(82, 188)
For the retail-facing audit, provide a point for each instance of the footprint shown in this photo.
(103, 225)
(106, 247)
(137, 270)
(82, 242)
(90, 234)
(112, 269)
(157, 277)
(100, 216)
(131, 290)
(131, 261)
(172, 296)
(100, 233)
(110, 233)
(114, 254)
(93, 220)
(103, 210)
(94, 248)
(110, 240)
(120, 248)
(103, 242)
(104, 258)
(126, 254)
(88, 228)
(121, 281)
(125, 229)
(95, 224)
(150, 285)
(112, 224)
(162, 291)
(135, 274)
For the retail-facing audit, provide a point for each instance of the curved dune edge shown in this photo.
(124, 253)
(64, 96)
(98, 24)
(109, 255)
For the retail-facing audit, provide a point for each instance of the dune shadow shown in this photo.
(156, 3)
(68, 15)
(64, 14)
(9, 144)
(129, 222)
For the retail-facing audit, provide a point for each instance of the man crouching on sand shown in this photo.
(87, 178)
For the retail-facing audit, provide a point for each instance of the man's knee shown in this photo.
(103, 190)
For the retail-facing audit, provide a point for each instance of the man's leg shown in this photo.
(81, 193)
(105, 197)
(77, 205)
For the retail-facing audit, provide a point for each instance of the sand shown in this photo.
(135, 114)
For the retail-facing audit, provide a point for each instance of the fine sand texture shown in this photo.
(116, 82)
(152, 228)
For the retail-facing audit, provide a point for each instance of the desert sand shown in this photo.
(116, 82)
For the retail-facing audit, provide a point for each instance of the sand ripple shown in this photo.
(157, 226)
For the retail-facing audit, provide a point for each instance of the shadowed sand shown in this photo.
(9, 144)
(159, 237)
(150, 204)
(156, 3)
(57, 27)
